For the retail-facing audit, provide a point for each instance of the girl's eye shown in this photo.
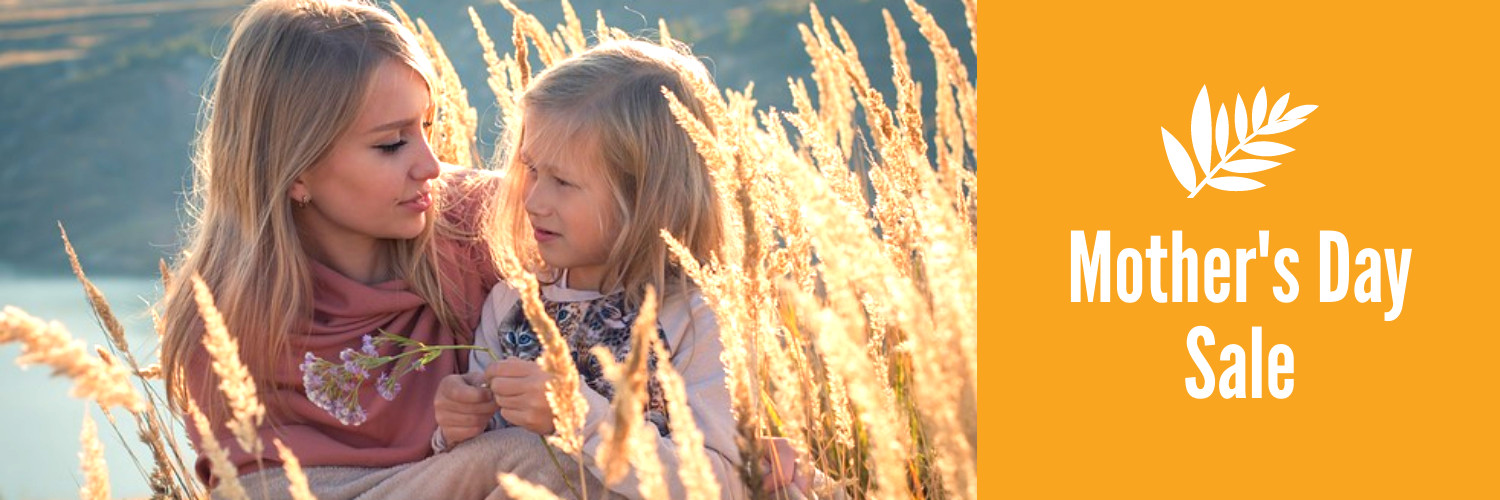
(564, 183)
(392, 147)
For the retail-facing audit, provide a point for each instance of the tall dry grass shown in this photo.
(846, 290)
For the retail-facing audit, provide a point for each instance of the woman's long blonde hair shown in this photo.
(611, 96)
(291, 81)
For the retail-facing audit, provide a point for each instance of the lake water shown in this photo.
(39, 422)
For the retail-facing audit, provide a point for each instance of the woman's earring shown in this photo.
(302, 203)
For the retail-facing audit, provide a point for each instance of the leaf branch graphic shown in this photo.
(1206, 133)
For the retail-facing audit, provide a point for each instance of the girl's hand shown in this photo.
(779, 463)
(520, 390)
(462, 407)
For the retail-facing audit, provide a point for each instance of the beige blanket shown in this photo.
(467, 471)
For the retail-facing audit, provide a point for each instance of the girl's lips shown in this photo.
(419, 203)
(543, 236)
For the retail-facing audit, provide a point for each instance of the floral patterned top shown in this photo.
(601, 321)
(688, 329)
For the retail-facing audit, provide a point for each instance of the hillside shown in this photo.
(99, 99)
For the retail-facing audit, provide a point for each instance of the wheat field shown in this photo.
(846, 290)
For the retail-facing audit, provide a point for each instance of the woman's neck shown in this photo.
(363, 261)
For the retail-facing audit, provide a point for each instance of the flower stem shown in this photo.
(555, 463)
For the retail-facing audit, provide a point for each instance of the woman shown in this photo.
(322, 216)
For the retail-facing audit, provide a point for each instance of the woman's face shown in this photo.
(373, 182)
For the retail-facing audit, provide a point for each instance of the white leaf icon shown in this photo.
(1209, 136)
(1234, 184)
(1279, 107)
(1248, 166)
(1299, 112)
(1202, 130)
(1240, 117)
(1221, 133)
(1266, 148)
(1259, 117)
(1182, 165)
(1279, 127)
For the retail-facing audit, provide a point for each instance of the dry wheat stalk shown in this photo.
(572, 30)
(568, 406)
(50, 344)
(625, 443)
(908, 93)
(167, 466)
(492, 62)
(218, 458)
(835, 105)
(721, 284)
(850, 52)
(235, 381)
(664, 35)
(842, 241)
(528, 25)
(836, 325)
(101, 307)
(453, 129)
(697, 476)
(95, 473)
(295, 477)
(629, 381)
(505, 79)
(721, 167)
(877, 347)
(454, 123)
(603, 32)
(952, 68)
(843, 182)
(523, 59)
(646, 459)
(401, 15)
(838, 404)
(148, 421)
(522, 489)
(971, 17)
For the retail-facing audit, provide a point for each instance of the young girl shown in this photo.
(322, 216)
(602, 168)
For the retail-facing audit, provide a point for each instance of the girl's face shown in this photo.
(569, 204)
(372, 184)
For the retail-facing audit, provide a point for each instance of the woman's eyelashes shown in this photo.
(391, 148)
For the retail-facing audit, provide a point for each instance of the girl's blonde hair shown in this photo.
(610, 96)
(292, 79)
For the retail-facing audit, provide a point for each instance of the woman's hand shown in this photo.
(462, 407)
(520, 390)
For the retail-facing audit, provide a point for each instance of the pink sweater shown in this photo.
(345, 310)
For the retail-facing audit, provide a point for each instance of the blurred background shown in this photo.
(99, 102)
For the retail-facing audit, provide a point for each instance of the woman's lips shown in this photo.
(419, 203)
(543, 235)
